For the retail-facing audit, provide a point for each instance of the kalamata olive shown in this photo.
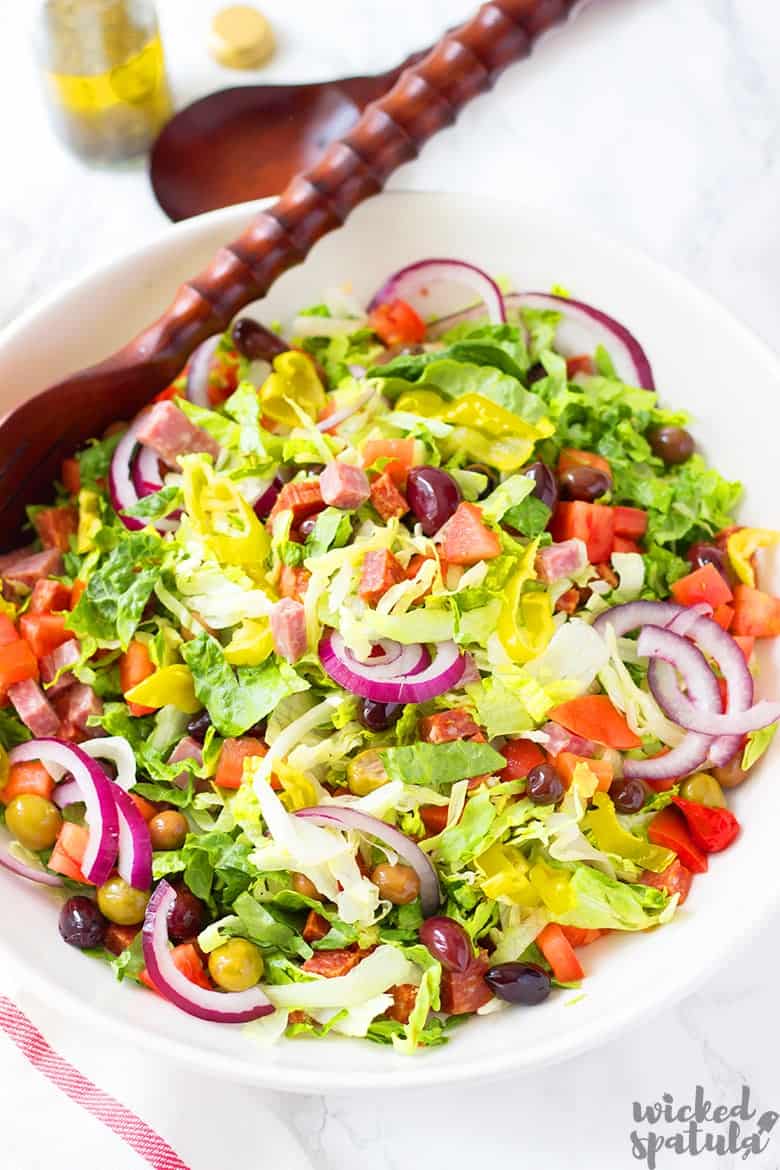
(702, 788)
(448, 942)
(525, 983)
(545, 483)
(305, 887)
(535, 373)
(378, 716)
(253, 341)
(672, 444)
(702, 554)
(237, 965)
(488, 472)
(731, 774)
(122, 903)
(81, 923)
(187, 915)
(584, 483)
(306, 526)
(199, 725)
(399, 884)
(544, 785)
(433, 496)
(33, 820)
(628, 796)
(168, 830)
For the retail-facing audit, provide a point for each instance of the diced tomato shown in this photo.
(675, 879)
(379, 571)
(724, 616)
(188, 961)
(581, 363)
(134, 666)
(303, 499)
(465, 991)
(447, 726)
(704, 585)
(668, 828)
(434, 817)
(78, 587)
(293, 581)
(145, 807)
(332, 964)
(315, 928)
(594, 524)
(61, 863)
(43, 632)
(559, 953)
(746, 645)
(578, 936)
(404, 998)
(630, 522)
(17, 663)
(223, 377)
(55, 526)
(566, 762)
(400, 453)
(467, 539)
(397, 323)
(29, 777)
(594, 717)
(175, 390)
(230, 768)
(756, 614)
(521, 756)
(623, 545)
(713, 829)
(386, 498)
(573, 457)
(70, 474)
(68, 852)
(49, 597)
(8, 631)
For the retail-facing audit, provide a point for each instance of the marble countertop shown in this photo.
(657, 122)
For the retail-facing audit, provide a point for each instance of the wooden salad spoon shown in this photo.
(38, 433)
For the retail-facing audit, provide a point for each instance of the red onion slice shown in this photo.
(21, 869)
(413, 685)
(197, 388)
(96, 792)
(66, 794)
(121, 487)
(633, 614)
(146, 472)
(221, 1007)
(663, 647)
(265, 502)
(135, 844)
(397, 662)
(330, 815)
(687, 757)
(689, 617)
(411, 284)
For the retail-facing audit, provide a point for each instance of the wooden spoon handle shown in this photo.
(391, 130)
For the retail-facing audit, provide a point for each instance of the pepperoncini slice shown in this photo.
(506, 876)
(90, 521)
(170, 686)
(223, 518)
(553, 887)
(293, 388)
(610, 836)
(743, 544)
(251, 643)
(525, 623)
(422, 402)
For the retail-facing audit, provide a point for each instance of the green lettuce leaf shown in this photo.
(604, 903)
(757, 744)
(12, 730)
(435, 765)
(157, 505)
(461, 842)
(118, 590)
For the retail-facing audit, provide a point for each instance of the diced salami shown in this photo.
(465, 991)
(51, 664)
(446, 726)
(171, 434)
(560, 740)
(288, 628)
(344, 486)
(76, 706)
(302, 497)
(404, 998)
(28, 569)
(380, 570)
(33, 708)
(561, 560)
(186, 749)
(333, 964)
(386, 498)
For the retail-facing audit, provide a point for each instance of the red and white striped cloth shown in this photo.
(73, 1100)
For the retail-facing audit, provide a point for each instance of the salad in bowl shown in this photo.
(381, 665)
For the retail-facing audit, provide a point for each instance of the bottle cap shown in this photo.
(241, 37)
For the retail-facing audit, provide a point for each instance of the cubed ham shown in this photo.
(288, 629)
(170, 434)
(344, 486)
(561, 560)
(55, 526)
(33, 708)
(49, 597)
(186, 749)
(28, 568)
(51, 664)
(10, 558)
(75, 706)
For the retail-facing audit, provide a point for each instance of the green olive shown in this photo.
(120, 903)
(366, 772)
(703, 789)
(731, 775)
(34, 821)
(237, 965)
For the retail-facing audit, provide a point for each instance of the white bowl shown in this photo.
(704, 360)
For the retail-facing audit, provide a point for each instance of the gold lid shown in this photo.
(241, 37)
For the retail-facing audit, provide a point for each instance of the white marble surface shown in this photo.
(658, 122)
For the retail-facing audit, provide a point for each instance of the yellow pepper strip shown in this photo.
(297, 790)
(224, 519)
(251, 643)
(610, 836)
(553, 887)
(170, 686)
(505, 879)
(743, 544)
(423, 402)
(90, 522)
(294, 380)
(525, 625)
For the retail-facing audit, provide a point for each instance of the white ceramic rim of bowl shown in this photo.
(563, 1046)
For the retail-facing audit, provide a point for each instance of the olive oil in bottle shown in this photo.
(104, 71)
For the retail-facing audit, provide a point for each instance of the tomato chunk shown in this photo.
(566, 762)
(746, 645)
(315, 927)
(578, 936)
(622, 544)
(594, 717)
(29, 777)
(594, 524)
(756, 614)
(230, 768)
(379, 571)
(467, 539)
(43, 632)
(70, 474)
(573, 457)
(724, 616)
(559, 953)
(434, 817)
(704, 585)
(447, 726)
(188, 961)
(668, 828)
(294, 581)
(17, 663)
(581, 363)
(400, 454)
(134, 666)
(521, 756)
(49, 596)
(68, 852)
(8, 631)
(397, 323)
(630, 522)
(675, 879)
